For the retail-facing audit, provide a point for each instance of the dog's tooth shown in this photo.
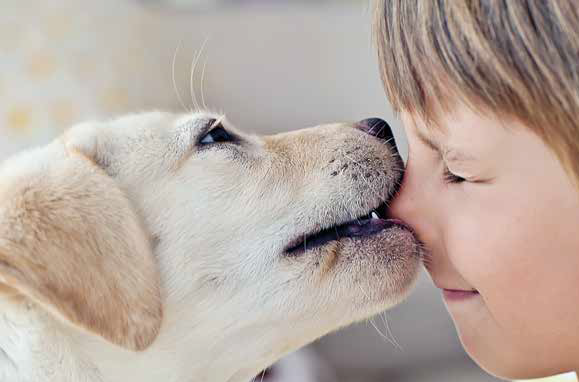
(374, 215)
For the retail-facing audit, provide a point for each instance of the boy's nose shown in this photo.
(378, 128)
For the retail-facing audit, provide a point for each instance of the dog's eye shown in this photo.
(216, 135)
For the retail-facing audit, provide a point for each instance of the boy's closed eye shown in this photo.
(458, 165)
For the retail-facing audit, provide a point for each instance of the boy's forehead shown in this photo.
(459, 133)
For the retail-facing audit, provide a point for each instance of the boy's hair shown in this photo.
(512, 58)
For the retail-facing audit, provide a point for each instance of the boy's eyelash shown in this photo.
(451, 178)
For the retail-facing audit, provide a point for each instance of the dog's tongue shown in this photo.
(364, 227)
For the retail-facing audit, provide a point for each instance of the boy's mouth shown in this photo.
(452, 295)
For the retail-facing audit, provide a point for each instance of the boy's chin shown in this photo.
(489, 348)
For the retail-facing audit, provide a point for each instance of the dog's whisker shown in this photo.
(385, 337)
(371, 131)
(203, 84)
(191, 89)
(394, 343)
(364, 292)
(425, 255)
(389, 139)
(389, 331)
(380, 131)
(177, 92)
(193, 68)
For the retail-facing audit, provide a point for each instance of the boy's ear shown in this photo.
(71, 241)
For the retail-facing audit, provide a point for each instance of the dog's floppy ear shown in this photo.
(71, 241)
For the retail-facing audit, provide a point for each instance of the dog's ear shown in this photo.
(71, 241)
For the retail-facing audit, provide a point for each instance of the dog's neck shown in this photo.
(35, 347)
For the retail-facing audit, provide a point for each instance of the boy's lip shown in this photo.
(458, 294)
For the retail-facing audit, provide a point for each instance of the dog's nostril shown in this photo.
(376, 127)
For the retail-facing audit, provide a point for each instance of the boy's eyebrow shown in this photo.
(428, 141)
(448, 153)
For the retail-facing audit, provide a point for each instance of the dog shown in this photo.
(174, 247)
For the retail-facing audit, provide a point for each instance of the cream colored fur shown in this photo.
(128, 252)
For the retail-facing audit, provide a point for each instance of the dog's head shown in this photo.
(280, 238)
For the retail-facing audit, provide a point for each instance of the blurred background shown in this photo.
(271, 66)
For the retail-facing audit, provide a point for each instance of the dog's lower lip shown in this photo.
(400, 223)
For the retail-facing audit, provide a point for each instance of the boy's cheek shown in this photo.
(471, 248)
(527, 285)
(493, 251)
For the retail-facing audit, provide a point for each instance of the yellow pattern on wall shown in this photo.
(19, 118)
(65, 61)
(40, 65)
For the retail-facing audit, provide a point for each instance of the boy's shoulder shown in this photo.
(567, 377)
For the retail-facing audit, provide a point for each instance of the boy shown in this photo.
(488, 92)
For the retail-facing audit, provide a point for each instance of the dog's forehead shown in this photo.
(163, 123)
(198, 119)
(154, 138)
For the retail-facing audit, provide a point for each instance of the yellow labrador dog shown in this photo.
(175, 248)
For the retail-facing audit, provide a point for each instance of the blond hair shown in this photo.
(513, 58)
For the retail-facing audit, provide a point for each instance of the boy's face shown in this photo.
(504, 242)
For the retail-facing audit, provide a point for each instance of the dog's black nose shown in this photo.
(376, 127)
